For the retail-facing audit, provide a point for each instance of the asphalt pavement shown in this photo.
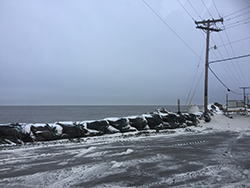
(212, 159)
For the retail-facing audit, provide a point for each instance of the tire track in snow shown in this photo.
(197, 142)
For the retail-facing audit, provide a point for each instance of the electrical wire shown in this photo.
(197, 14)
(218, 78)
(229, 44)
(194, 9)
(213, 51)
(243, 56)
(233, 42)
(222, 82)
(195, 77)
(201, 18)
(207, 9)
(169, 27)
(186, 11)
(237, 11)
(216, 9)
(242, 75)
(226, 70)
(186, 106)
(237, 16)
(202, 73)
(237, 22)
(238, 25)
(232, 63)
(234, 79)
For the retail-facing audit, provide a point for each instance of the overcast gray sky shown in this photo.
(119, 52)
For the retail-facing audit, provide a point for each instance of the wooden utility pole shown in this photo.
(205, 26)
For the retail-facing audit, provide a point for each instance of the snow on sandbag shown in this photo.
(7, 142)
(44, 132)
(169, 118)
(14, 133)
(167, 121)
(138, 122)
(173, 120)
(193, 109)
(122, 124)
(154, 121)
(102, 126)
(111, 129)
(191, 119)
(181, 119)
(58, 129)
(72, 129)
(216, 108)
(162, 110)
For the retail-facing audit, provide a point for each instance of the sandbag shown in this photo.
(181, 119)
(14, 133)
(43, 132)
(122, 124)
(72, 129)
(139, 123)
(101, 126)
(191, 119)
(154, 121)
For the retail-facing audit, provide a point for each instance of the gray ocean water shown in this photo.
(51, 114)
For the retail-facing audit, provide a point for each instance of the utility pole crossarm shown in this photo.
(204, 22)
(211, 29)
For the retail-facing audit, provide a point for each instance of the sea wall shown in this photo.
(19, 133)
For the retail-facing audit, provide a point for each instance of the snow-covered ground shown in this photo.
(214, 154)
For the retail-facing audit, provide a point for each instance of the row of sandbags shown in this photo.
(161, 119)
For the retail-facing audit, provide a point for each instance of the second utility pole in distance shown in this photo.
(205, 26)
(244, 93)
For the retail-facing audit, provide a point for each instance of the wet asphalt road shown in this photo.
(214, 159)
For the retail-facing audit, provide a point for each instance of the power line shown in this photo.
(222, 82)
(194, 78)
(231, 58)
(230, 75)
(213, 51)
(195, 87)
(233, 42)
(237, 11)
(207, 8)
(170, 27)
(197, 14)
(219, 79)
(186, 10)
(229, 40)
(232, 64)
(236, 93)
(236, 59)
(229, 44)
(238, 25)
(237, 22)
(216, 9)
(194, 9)
(190, 14)
(237, 16)
(198, 63)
